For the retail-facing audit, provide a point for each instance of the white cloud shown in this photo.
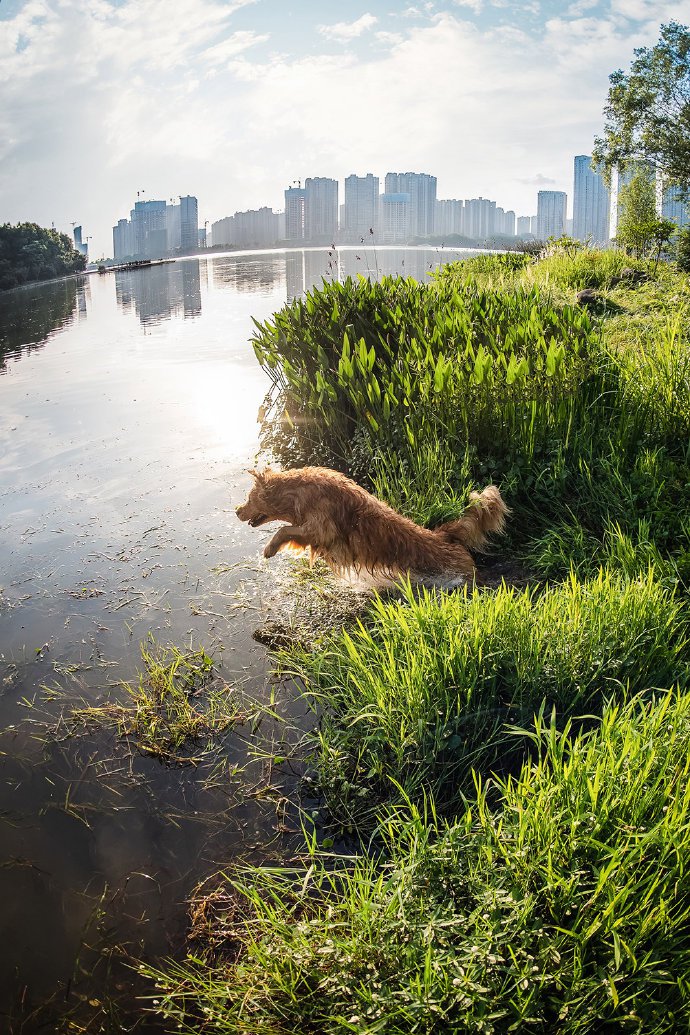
(345, 31)
(229, 48)
(580, 6)
(538, 180)
(645, 10)
(474, 5)
(389, 37)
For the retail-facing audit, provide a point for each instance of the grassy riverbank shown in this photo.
(512, 765)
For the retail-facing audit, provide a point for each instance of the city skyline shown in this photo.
(408, 210)
(225, 99)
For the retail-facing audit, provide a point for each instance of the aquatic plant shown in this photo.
(173, 704)
(398, 363)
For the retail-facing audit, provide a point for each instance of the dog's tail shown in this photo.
(486, 513)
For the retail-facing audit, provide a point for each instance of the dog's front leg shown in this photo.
(286, 534)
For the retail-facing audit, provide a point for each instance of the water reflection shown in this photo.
(310, 267)
(257, 273)
(161, 292)
(30, 316)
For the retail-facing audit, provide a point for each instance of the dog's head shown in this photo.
(267, 501)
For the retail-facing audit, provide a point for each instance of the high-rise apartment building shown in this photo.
(189, 223)
(524, 225)
(156, 229)
(359, 213)
(294, 213)
(504, 223)
(449, 215)
(148, 219)
(421, 188)
(480, 218)
(256, 228)
(320, 208)
(590, 203)
(551, 213)
(673, 207)
(395, 213)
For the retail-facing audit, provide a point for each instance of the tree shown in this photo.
(30, 252)
(637, 203)
(648, 110)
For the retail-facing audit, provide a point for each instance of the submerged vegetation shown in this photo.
(174, 704)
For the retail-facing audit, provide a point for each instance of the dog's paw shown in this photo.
(270, 550)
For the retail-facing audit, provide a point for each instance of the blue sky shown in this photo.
(232, 100)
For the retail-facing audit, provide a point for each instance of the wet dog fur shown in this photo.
(339, 521)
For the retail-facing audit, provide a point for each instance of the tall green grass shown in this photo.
(557, 903)
(429, 687)
(397, 364)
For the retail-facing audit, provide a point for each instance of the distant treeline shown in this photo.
(30, 252)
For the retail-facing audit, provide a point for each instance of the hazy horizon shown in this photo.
(233, 100)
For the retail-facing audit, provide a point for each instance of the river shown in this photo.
(128, 419)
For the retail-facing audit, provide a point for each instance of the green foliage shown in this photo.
(553, 896)
(648, 110)
(557, 902)
(403, 363)
(683, 253)
(429, 687)
(29, 252)
(637, 201)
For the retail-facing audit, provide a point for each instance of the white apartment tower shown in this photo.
(480, 218)
(449, 215)
(320, 208)
(590, 203)
(360, 211)
(395, 211)
(294, 213)
(421, 188)
(551, 213)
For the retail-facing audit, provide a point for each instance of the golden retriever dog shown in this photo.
(347, 527)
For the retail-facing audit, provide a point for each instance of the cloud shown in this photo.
(645, 10)
(229, 48)
(538, 180)
(580, 6)
(474, 5)
(345, 31)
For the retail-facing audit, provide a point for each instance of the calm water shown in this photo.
(128, 417)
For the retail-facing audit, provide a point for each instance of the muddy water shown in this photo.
(128, 417)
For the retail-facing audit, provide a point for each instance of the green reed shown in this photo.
(427, 688)
(399, 363)
(557, 902)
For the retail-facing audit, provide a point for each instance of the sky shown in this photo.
(102, 101)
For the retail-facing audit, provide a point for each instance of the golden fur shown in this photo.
(345, 525)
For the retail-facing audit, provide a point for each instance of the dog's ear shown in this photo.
(256, 475)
